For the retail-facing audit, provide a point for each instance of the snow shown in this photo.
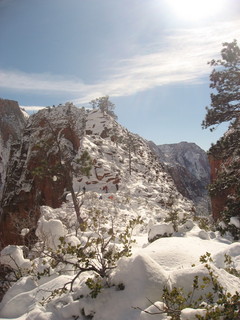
(136, 284)
(190, 314)
(13, 256)
(160, 230)
(235, 221)
(135, 287)
(50, 231)
(180, 252)
(152, 312)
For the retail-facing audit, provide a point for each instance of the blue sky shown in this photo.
(149, 56)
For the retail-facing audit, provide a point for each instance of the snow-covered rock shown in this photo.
(13, 256)
(190, 314)
(50, 232)
(189, 167)
(122, 162)
(159, 231)
(154, 312)
(136, 285)
(12, 123)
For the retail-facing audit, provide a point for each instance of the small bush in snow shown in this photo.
(214, 304)
(175, 217)
(204, 223)
(98, 252)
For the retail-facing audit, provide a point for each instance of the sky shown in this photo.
(149, 56)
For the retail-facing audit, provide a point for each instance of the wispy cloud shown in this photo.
(41, 82)
(181, 56)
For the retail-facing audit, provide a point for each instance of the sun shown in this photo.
(196, 9)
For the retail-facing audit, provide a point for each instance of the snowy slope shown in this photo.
(116, 163)
(138, 187)
(166, 262)
(148, 179)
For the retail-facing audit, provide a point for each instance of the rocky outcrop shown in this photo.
(56, 137)
(218, 201)
(27, 187)
(188, 166)
(224, 158)
(12, 122)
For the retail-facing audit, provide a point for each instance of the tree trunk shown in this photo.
(76, 205)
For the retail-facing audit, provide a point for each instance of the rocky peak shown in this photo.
(121, 160)
(189, 167)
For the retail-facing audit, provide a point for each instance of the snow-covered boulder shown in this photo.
(183, 278)
(13, 256)
(159, 231)
(181, 252)
(154, 312)
(142, 278)
(203, 235)
(49, 231)
(24, 296)
(190, 314)
(233, 251)
(187, 226)
(16, 302)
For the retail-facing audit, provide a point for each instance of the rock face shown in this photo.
(218, 201)
(224, 158)
(55, 138)
(12, 122)
(25, 188)
(189, 167)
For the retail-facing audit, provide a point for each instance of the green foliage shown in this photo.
(217, 303)
(225, 106)
(84, 164)
(105, 105)
(61, 162)
(204, 223)
(224, 80)
(175, 219)
(131, 144)
(230, 267)
(95, 285)
(98, 254)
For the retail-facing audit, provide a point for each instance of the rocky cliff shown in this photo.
(54, 139)
(224, 159)
(189, 167)
(12, 122)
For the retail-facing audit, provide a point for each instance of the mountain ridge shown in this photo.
(120, 160)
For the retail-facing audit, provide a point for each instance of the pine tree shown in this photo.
(105, 105)
(62, 161)
(225, 81)
(225, 107)
(132, 144)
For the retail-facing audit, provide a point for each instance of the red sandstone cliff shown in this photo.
(224, 158)
(219, 200)
(25, 191)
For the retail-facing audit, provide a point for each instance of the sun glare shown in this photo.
(196, 9)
